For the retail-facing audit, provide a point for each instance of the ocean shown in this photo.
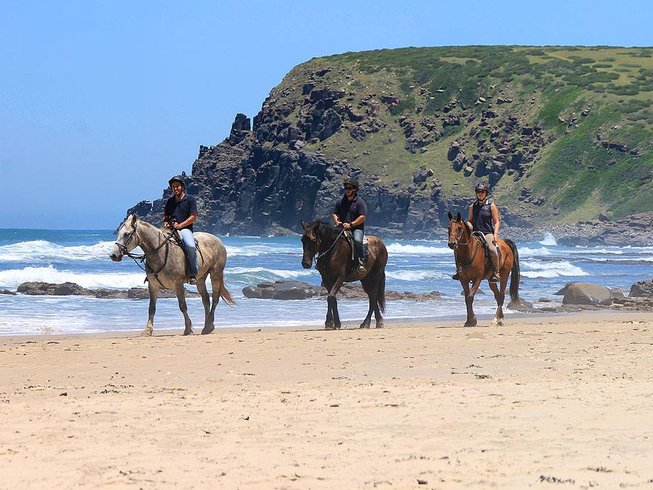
(81, 257)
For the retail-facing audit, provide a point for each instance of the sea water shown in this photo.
(419, 266)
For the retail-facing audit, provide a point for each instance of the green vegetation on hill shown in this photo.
(563, 133)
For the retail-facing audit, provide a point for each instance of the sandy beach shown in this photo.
(543, 402)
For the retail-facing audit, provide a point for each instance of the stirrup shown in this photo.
(495, 277)
(192, 280)
(360, 268)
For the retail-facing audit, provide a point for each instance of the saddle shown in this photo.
(349, 236)
(486, 248)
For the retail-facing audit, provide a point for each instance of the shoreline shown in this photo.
(539, 400)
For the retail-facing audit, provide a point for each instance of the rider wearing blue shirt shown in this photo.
(180, 213)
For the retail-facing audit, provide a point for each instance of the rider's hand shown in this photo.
(346, 226)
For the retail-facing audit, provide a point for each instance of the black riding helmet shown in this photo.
(481, 186)
(352, 182)
(177, 178)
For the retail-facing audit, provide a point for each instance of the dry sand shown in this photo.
(543, 402)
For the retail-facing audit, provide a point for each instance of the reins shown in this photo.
(140, 259)
(322, 254)
(473, 234)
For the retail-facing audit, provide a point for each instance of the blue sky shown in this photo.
(102, 101)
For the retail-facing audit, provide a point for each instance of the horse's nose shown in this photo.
(306, 264)
(452, 245)
(115, 257)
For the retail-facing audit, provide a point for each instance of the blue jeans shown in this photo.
(358, 238)
(189, 247)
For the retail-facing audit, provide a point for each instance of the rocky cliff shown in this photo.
(420, 127)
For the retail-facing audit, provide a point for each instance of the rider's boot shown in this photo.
(191, 260)
(495, 277)
(361, 259)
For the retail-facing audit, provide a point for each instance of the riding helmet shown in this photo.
(351, 181)
(481, 186)
(177, 178)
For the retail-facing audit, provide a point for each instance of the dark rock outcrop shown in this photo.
(73, 289)
(642, 289)
(49, 289)
(300, 290)
(585, 293)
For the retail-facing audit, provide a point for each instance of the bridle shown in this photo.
(141, 258)
(123, 246)
(457, 243)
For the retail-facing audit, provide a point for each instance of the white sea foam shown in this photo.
(399, 249)
(533, 252)
(44, 251)
(548, 239)
(535, 269)
(263, 273)
(256, 250)
(406, 275)
(119, 280)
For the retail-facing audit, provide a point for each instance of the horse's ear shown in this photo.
(303, 224)
(450, 215)
(134, 217)
(459, 217)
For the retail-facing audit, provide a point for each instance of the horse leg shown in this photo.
(328, 323)
(206, 302)
(469, 301)
(153, 289)
(372, 299)
(333, 301)
(181, 298)
(499, 296)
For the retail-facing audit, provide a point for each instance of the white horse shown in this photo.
(165, 266)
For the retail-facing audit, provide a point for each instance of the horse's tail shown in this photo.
(224, 294)
(380, 295)
(515, 275)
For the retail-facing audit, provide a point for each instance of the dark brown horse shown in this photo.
(473, 267)
(335, 265)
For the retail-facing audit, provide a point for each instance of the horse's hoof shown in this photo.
(338, 326)
(188, 331)
(497, 323)
(207, 330)
(470, 324)
(364, 325)
(147, 332)
(379, 325)
(329, 327)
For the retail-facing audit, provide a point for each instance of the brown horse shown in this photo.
(335, 265)
(473, 267)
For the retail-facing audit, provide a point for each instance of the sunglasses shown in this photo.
(349, 188)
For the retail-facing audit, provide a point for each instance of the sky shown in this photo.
(101, 102)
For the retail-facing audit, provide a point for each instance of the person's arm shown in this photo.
(186, 223)
(358, 221)
(496, 221)
(336, 219)
(470, 216)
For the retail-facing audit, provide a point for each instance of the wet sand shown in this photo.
(542, 402)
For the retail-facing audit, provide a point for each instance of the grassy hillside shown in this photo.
(591, 109)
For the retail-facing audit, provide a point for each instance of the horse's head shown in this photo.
(127, 240)
(310, 242)
(456, 231)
